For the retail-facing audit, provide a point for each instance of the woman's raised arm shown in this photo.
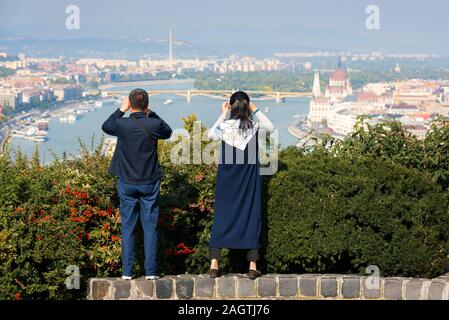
(212, 132)
(264, 122)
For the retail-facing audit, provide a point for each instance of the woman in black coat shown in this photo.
(237, 219)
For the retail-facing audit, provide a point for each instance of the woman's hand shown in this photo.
(252, 107)
(225, 107)
(125, 105)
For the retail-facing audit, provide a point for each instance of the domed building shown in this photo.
(339, 86)
(321, 105)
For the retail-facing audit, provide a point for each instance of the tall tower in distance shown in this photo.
(170, 46)
(316, 91)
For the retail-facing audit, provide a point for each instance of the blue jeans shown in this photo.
(147, 195)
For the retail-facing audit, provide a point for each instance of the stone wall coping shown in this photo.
(270, 286)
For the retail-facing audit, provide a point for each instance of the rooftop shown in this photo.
(339, 75)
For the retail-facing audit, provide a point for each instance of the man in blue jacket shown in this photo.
(135, 163)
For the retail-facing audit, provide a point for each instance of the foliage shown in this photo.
(259, 81)
(331, 214)
(187, 200)
(6, 72)
(61, 80)
(53, 217)
(296, 78)
(393, 143)
(75, 202)
(379, 197)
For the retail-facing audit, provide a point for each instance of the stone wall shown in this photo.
(275, 286)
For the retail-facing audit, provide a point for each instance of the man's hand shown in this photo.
(225, 107)
(252, 107)
(125, 105)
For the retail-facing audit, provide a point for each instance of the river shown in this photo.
(63, 137)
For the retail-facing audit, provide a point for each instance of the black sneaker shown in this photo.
(254, 274)
(214, 273)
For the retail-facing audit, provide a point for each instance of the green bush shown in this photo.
(330, 214)
(378, 198)
(391, 142)
(66, 213)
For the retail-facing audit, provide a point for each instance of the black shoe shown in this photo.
(254, 274)
(214, 273)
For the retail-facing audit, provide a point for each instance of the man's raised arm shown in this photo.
(110, 125)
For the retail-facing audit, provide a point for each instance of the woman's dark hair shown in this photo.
(240, 110)
(138, 99)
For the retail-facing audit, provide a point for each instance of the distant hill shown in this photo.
(131, 41)
(94, 47)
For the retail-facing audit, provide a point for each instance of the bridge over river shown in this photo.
(219, 94)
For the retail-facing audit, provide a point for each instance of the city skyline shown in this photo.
(404, 26)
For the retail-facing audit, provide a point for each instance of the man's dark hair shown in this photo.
(138, 99)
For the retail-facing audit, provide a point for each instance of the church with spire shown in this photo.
(337, 90)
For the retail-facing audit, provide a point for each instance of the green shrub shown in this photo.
(53, 217)
(391, 142)
(359, 203)
(329, 214)
(66, 213)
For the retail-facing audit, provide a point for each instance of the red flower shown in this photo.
(67, 189)
(78, 219)
(18, 296)
(84, 195)
(115, 238)
(45, 218)
(74, 210)
(109, 211)
(42, 211)
(180, 249)
(199, 177)
(88, 236)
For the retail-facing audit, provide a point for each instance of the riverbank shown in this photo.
(294, 131)
(144, 83)
(4, 142)
(15, 128)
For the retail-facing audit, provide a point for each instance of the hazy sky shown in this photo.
(421, 23)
